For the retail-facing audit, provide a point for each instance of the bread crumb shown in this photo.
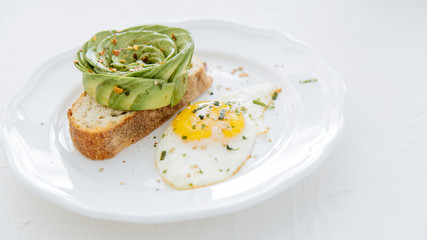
(122, 183)
(227, 88)
(101, 169)
(233, 71)
(270, 140)
(158, 180)
(243, 74)
(240, 68)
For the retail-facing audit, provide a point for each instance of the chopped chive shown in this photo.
(207, 115)
(244, 137)
(210, 93)
(162, 155)
(165, 171)
(194, 126)
(184, 154)
(198, 108)
(190, 184)
(184, 137)
(216, 159)
(154, 137)
(216, 103)
(200, 171)
(228, 169)
(163, 135)
(203, 126)
(201, 117)
(311, 80)
(221, 114)
(220, 170)
(259, 103)
(244, 109)
(232, 149)
(274, 95)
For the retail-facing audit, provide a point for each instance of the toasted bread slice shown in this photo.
(99, 132)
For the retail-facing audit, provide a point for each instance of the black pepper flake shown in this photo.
(162, 155)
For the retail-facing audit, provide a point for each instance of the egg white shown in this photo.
(186, 164)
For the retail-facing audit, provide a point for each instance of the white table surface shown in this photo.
(372, 186)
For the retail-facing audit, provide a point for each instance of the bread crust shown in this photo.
(106, 142)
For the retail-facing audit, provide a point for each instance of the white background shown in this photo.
(372, 186)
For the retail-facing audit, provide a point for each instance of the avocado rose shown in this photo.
(139, 68)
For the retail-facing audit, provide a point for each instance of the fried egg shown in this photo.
(208, 142)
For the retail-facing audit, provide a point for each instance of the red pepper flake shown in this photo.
(117, 89)
(90, 71)
(113, 69)
(102, 52)
(162, 62)
(173, 37)
(114, 41)
(75, 61)
(116, 52)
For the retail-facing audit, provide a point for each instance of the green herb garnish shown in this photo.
(165, 171)
(244, 137)
(184, 137)
(198, 108)
(203, 126)
(311, 80)
(232, 149)
(201, 117)
(274, 96)
(258, 102)
(221, 114)
(162, 155)
(216, 103)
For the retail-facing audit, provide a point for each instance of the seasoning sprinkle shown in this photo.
(184, 137)
(232, 149)
(165, 171)
(162, 155)
(198, 108)
(116, 52)
(221, 114)
(244, 137)
(216, 103)
(114, 41)
(201, 117)
(312, 80)
(274, 96)
(117, 89)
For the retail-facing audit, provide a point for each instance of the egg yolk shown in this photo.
(196, 121)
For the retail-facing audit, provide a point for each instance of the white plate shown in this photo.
(303, 126)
